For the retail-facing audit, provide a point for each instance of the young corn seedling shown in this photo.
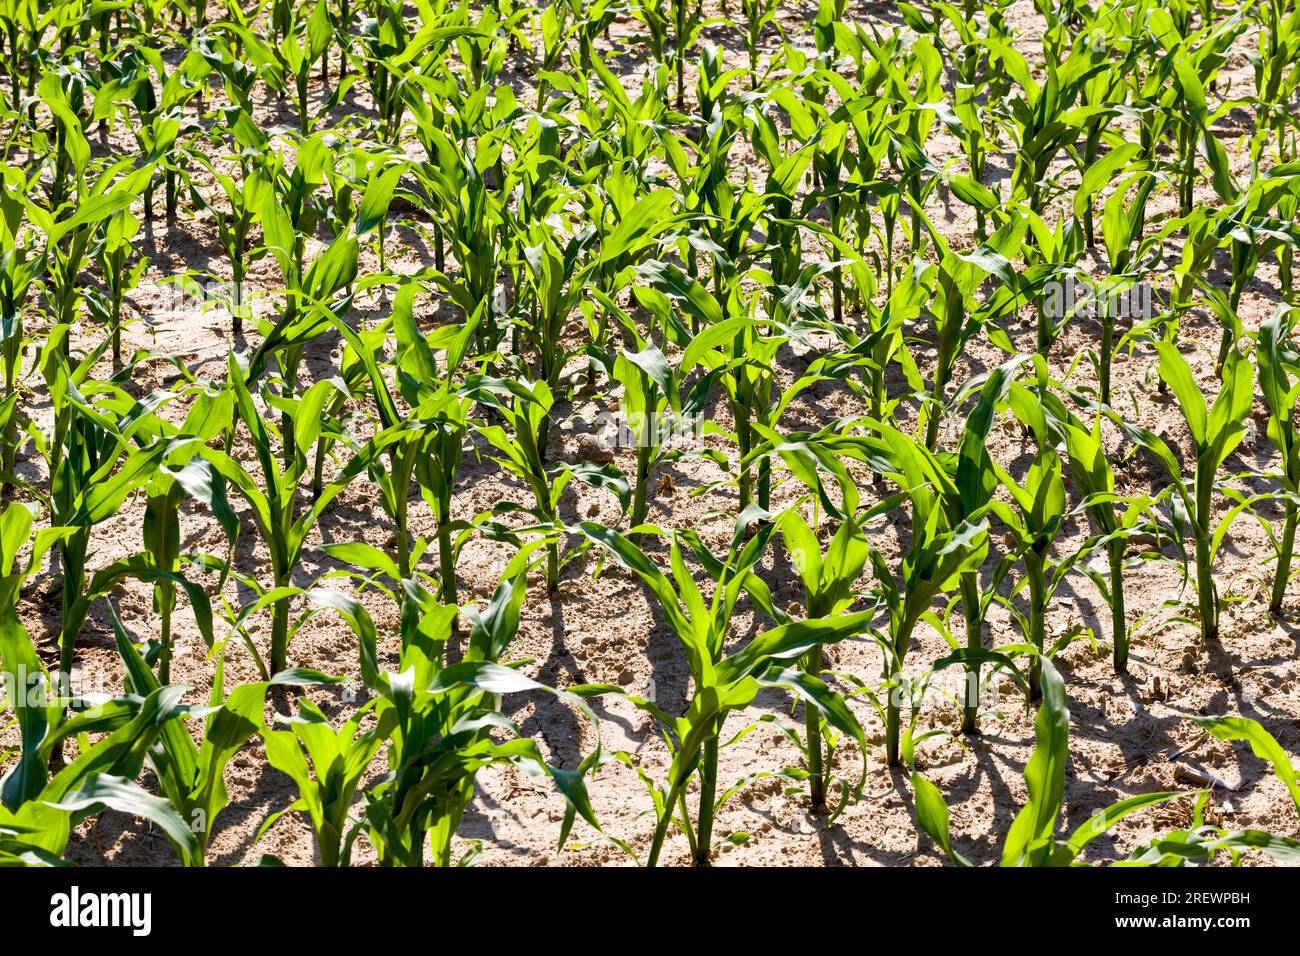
(1043, 119)
(466, 214)
(286, 65)
(327, 766)
(1091, 473)
(914, 86)
(383, 172)
(651, 399)
(1277, 77)
(722, 683)
(590, 22)
(736, 351)
(554, 27)
(975, 481)
(313, 293)
(234, 229)
(652, 405)
(1121, 227)
(438, 720)
(160, 128)
(1279, 380)
(68, 238)
(1096, 96)
(105, 445)
(523, 406)
(71, 150)
(554, 282)
(940, 552)
(113, 252)
(274, 505)
(656, 17)
(1194, 66)
(883, 344)
(179, 473)
(828, 581)
(687, 24)
(955, 282)
(826, 135)
(1034, 520)
(81, 452)
(1215, 434)
(628, 224)
(433, 439)
(758, 15)
(1251, 230)
(957, 490)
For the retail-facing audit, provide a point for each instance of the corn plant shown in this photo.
(975, 480)
(828, 581)
(1043, 125)
(758, 15)
(1034, 520)
(946, 543)
(1092, 474)
(81, 452)
(722, 683)
(554, 27)
(653, 404)
(234, 231)
(467, 216)
(274, 504)
(1279, 367)
(687, 24)
(954, 283)
(1121, 227)
(68, 237)
(1215, 433)
(437, 719)
(314, 292)
(1250, 229)
(327, 767)
(286, 65)
(524, 406)
(1276, 78)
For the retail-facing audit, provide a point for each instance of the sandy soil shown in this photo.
(1129, 735)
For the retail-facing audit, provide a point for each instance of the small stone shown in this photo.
(589, 449)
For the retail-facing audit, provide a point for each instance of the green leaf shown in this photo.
(1176, 373)
(100, 790)
(1030, 841)
(932, 817)
(1263, 744)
